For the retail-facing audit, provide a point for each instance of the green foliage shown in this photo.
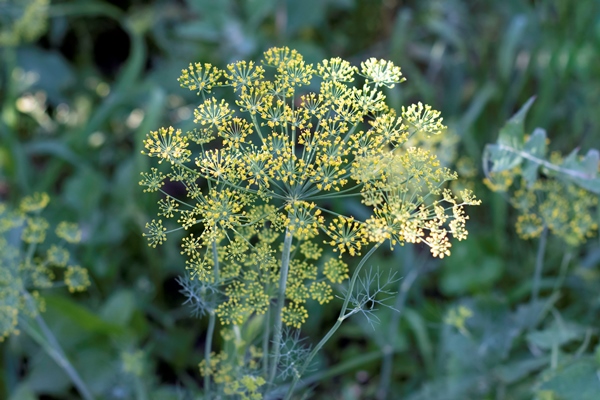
(82, 83)
(565, 199)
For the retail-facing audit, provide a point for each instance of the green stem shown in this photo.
(344, 367)
(335, 327)
(212, 318)
(265, 344)
(285, 266)
(49, 343)
(539, 264)
(564, 265)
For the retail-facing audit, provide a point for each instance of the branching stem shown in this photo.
(49, 343)
(539, 265)
(212, 319)
(283, 274)
(335, 327)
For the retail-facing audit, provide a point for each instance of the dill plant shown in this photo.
(259, 174)
(29, 263)
(550, 192)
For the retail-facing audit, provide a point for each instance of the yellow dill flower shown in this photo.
(34, 203)
(277, 56)
(77, 279)
(457, 317)
(381, 72)
(156, 233)
(321, 291)
(242, 73)
(294, 315)
(347, 235)
(423, 119)
(69, 232)
(35, 230)
(335, 270)
(167, 144)
(153, 180)
(336, 69)
(529, 226)
(200, 77)
(57, 256)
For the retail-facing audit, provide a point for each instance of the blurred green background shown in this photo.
(82, 82)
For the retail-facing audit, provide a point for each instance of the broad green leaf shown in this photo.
(119, 307)
(23, 392)
(535, 146)
(578, 381)
(97, 365)
(307, 13)
(257, 10)
(517, 370)
(55, 74)
(45, 375)
(513, 39)
(84, 190)
(81, 316)
(513, 132)
(583, 171)
(591, 162)
(501, 159)
(418, 326)
(558, 334)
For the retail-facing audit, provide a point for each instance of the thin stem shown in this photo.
(539, 264)
(340, 369)
(212, 318)
(335, 327)
(48, 341)
(564, 265)
(265, 344)
(388, 350)
(285, 266)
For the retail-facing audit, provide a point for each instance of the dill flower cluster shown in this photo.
(261, 171)
(29, 263)
(549, 191)
(561, 205)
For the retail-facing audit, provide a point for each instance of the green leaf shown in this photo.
(557, 335)
(418, 326)
(45, 375)
(517, 370)
(513, 132)
(55, 73)
(119, 308)
(536, 146)
(578, 381)
(513, 39)
(504, 154)
(84, 190)
(81, 316)
(501, 159)
(23, 392)
(583, 171)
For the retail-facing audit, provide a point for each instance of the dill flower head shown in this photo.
(264, 168)
(39, 260)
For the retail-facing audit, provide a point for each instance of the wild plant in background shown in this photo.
(552, 194)
(260, 174)
(22, 21)
(31, 260)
